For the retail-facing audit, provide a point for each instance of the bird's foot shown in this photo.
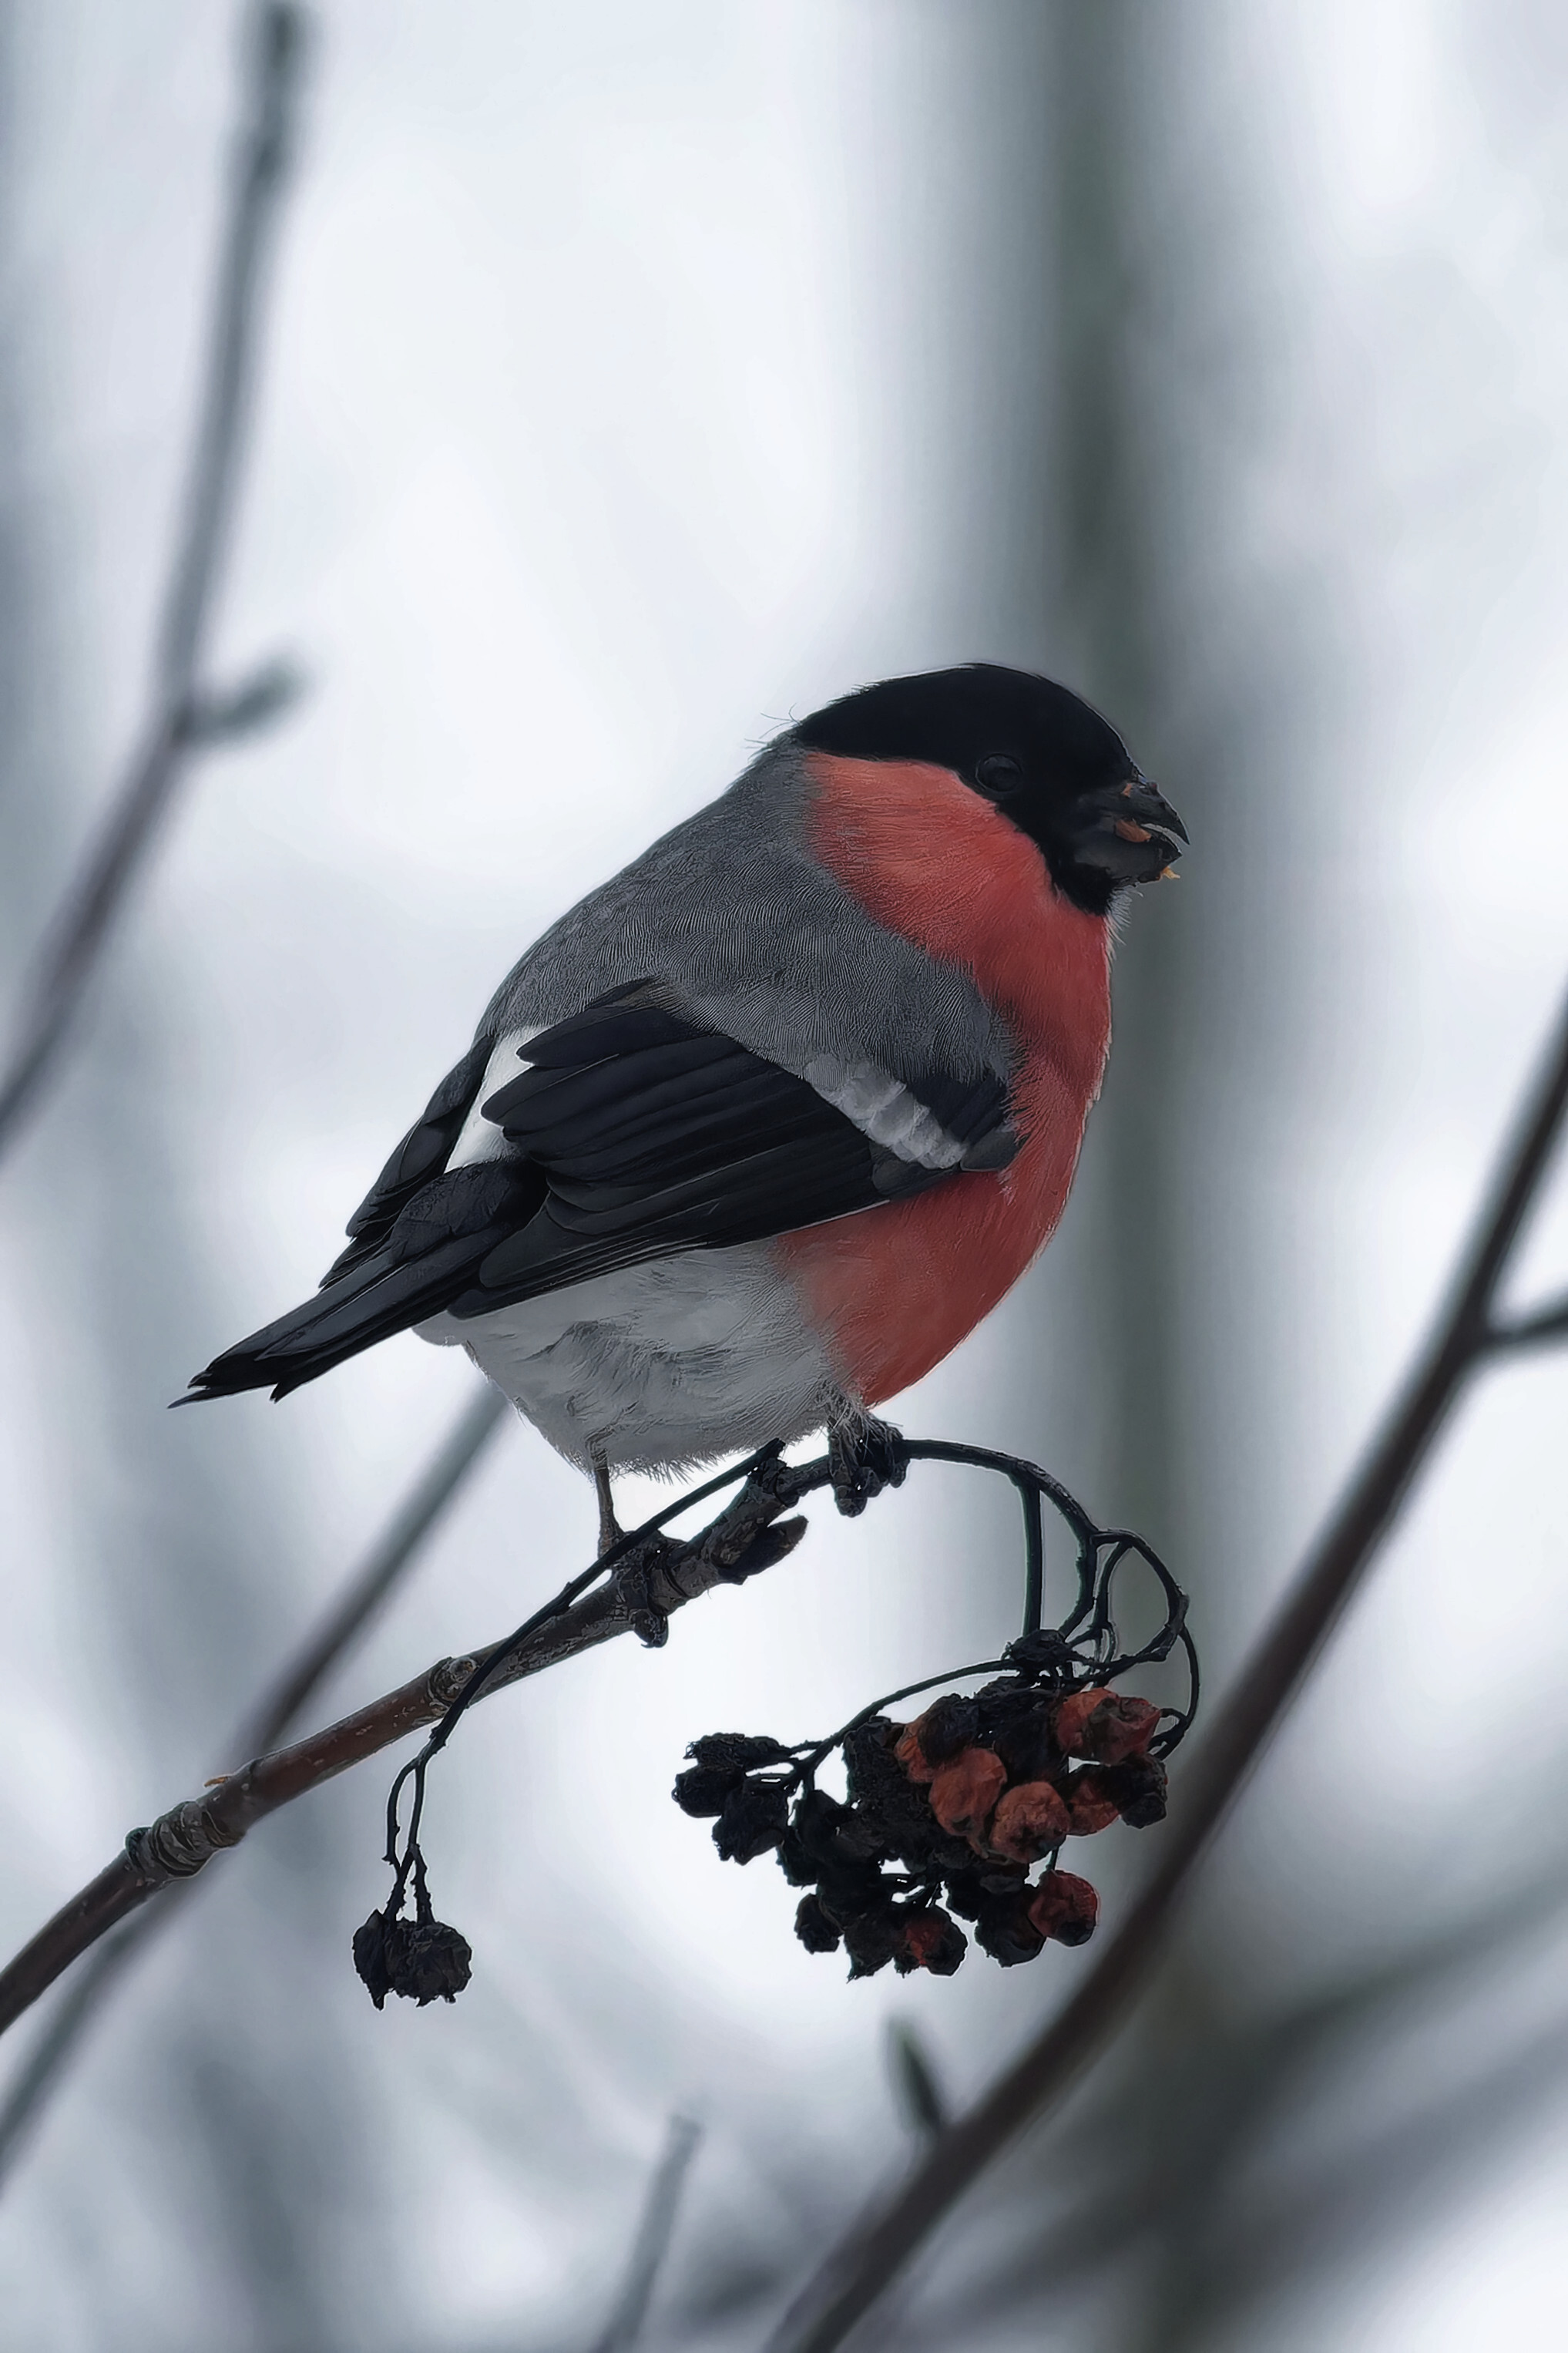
(610, 1529)
(864, 1456)
(646, 1616)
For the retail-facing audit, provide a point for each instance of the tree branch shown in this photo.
(1549, 1323)
(267, 1721)
(183, 719)
(857, 2271)
(647, 1578)
(655, 2232)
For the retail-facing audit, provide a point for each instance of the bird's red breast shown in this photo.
(894, 1288)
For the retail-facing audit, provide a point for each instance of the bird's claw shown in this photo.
(864, 1458)
(646, 1616)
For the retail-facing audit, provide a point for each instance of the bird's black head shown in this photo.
(1055, 767)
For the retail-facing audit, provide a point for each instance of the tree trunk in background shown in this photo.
(1162, 330)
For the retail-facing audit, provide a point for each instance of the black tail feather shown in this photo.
(427, 1261)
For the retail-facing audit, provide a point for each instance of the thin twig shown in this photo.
(1550, 1323)
(323, 1649)
(655, 2232)
(182, 717)
(857, 2271)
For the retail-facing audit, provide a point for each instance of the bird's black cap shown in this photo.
(1057, 769)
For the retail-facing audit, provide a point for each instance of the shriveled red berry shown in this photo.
(1070, 1716)
(911, 1756)
(1065, 1907)
(964, 1793)
(1091, 1806)
(929, 1940)
(1103, 1726)
(1029, 1821)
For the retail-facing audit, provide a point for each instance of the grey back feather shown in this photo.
(749, 933)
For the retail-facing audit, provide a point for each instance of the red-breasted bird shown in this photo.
(759, 1131)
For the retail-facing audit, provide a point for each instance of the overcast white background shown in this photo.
(637, 377)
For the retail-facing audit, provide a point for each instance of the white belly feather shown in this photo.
(659, 1366)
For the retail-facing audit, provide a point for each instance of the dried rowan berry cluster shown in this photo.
(948, 1814)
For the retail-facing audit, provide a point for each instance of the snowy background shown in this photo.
(635, 378)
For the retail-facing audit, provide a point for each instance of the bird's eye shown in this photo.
(998, 775)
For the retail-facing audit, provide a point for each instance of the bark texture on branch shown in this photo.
(655, 1577)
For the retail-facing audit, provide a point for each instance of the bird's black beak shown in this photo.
(1128, 831)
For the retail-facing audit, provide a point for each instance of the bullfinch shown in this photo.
(763, 1128)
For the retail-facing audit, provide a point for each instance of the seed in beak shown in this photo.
(1127, 831)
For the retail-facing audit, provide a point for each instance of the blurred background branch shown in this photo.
(655, 2232)
(641, 1583)
(857, 2272)
(186, 717)
(920, 2093)
(325, 1648)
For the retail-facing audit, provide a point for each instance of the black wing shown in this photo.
(632, 1134)
(422, 1155)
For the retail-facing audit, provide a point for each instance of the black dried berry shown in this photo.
(818, 1824)
(871, 1940)
(849, 1889)
(799, 1866)
(736, 1752)
(1004, 1929)
(434, 1965)
(1017, 1726)
(815, 1930)
(1137, 1789)
(702, 1790)
(371, 1957)
(949, 1725)
(894, 1810)
(423, 1961)
(754, 1819)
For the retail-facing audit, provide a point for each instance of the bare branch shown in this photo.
(654, 2235)
(915, 2081)
(268, 1722)
(181, 720)
(653, 1577)
(1533, 1330)
(857, 2271)
(258, 702)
